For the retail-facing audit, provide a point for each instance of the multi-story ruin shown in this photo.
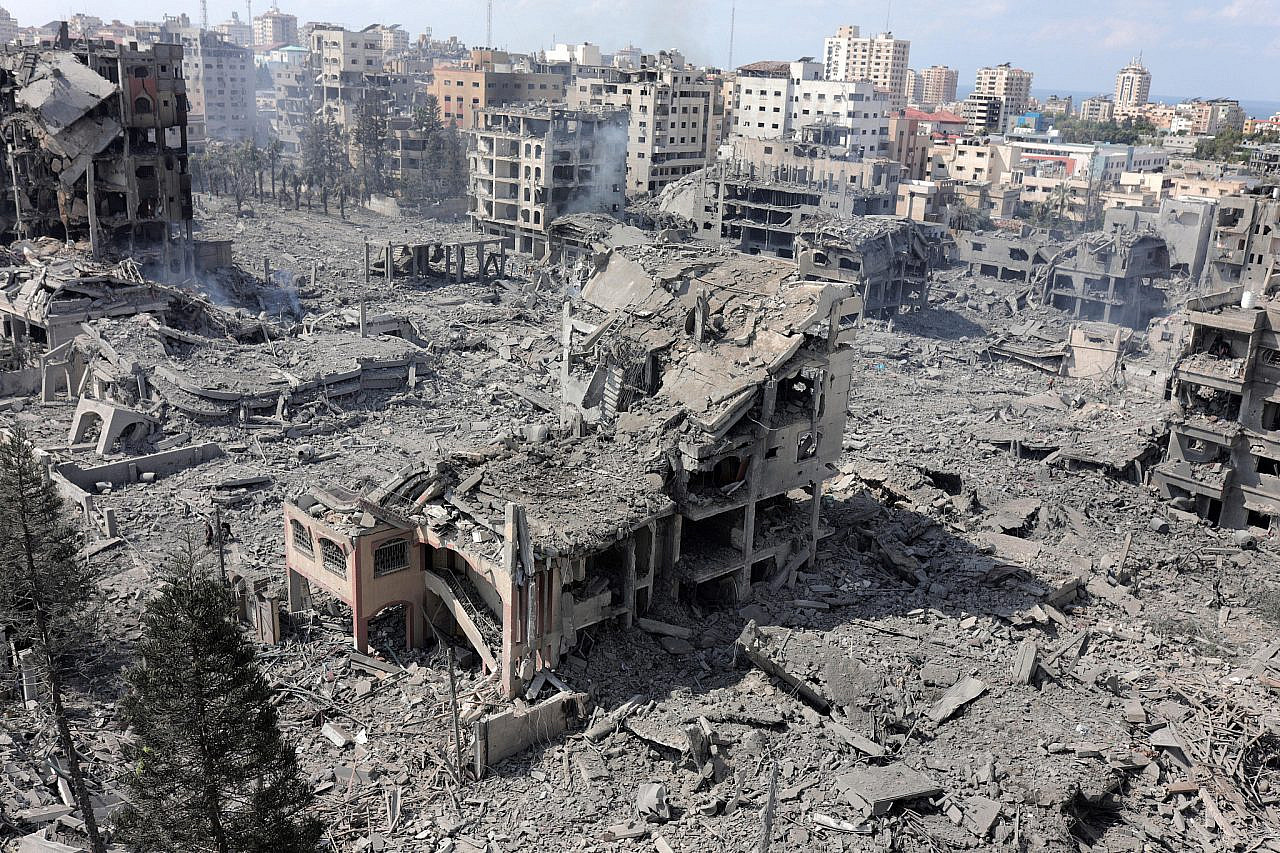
(531, 164)
(885, 259)
(95, 147)
(1246, 241)
(701, 417)
(1223, 456)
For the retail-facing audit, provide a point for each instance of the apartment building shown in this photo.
(1100, 109)
(293, 84)
(1056, 105)
(1212, 116)
(530, 164)
(220, 88)
(1003, 86)
(937, 85)
(394, 39)
(8, 27)
(275, 27)
(673, 111)
(1246, 241)
(772, 100)
(490, 79)
(1133, 86)
(1223, 454)
(882, 59)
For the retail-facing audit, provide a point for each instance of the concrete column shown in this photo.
(390, 268)
(512, 609)
(299, 592)
(366, 263)
(629, 582)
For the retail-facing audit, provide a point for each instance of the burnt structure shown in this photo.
(95, 147)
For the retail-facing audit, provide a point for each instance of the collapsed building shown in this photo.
(1223, 455)
(95, 146)
(1186, 224)
(887, 260)
(1098, 277)
(760, 206)
(704, 397)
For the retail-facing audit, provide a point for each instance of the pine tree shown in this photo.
(45, 589)
(210, 770)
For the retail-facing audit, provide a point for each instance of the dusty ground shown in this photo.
(954, 534)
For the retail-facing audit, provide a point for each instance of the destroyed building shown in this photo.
(1108, 278)
(1246, 241)
(96, 147)
(761, 208)
(1008, 256)
(1223, 456)
(710, 388)
(532, 164)
(887, 260)
(1186, 224)
(1100, 277)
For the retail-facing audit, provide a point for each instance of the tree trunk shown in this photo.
(78, 788)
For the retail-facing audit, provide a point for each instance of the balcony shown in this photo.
(1201, 368)
(1209, 428)
(1208, 479)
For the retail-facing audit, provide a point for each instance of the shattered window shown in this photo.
(391, 557)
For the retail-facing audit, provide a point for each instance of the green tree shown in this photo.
(324, 157)
(209, 768)
(1224, 146)
(45, 590)
(370, 138)
(967, 218)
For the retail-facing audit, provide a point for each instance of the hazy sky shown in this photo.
(1227, 48)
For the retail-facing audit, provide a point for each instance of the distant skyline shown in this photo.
(1225, 49)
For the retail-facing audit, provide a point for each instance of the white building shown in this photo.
(8, 27)
(774, 99)
(275, 27)
(1012, 86)
(673, 128)
(582, 54)
(1133, 86)
(882, 59)
(394, 38)
(235, 30)
(220, 87)
(1100, 109)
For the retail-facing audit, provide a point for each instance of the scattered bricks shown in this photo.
(336, 735)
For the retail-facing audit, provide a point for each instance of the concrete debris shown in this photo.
(924, 561)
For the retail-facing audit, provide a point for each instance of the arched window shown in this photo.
(142, 105)
(391, 557)
(332, 557)
(301, 537)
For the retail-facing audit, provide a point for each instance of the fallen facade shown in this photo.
(1223, 456)
(96, 147)
(711, 387)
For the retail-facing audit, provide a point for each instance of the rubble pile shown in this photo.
(1008, 640)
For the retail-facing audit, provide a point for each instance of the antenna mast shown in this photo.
(488, 24)
(204, 14)
(733, 19)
